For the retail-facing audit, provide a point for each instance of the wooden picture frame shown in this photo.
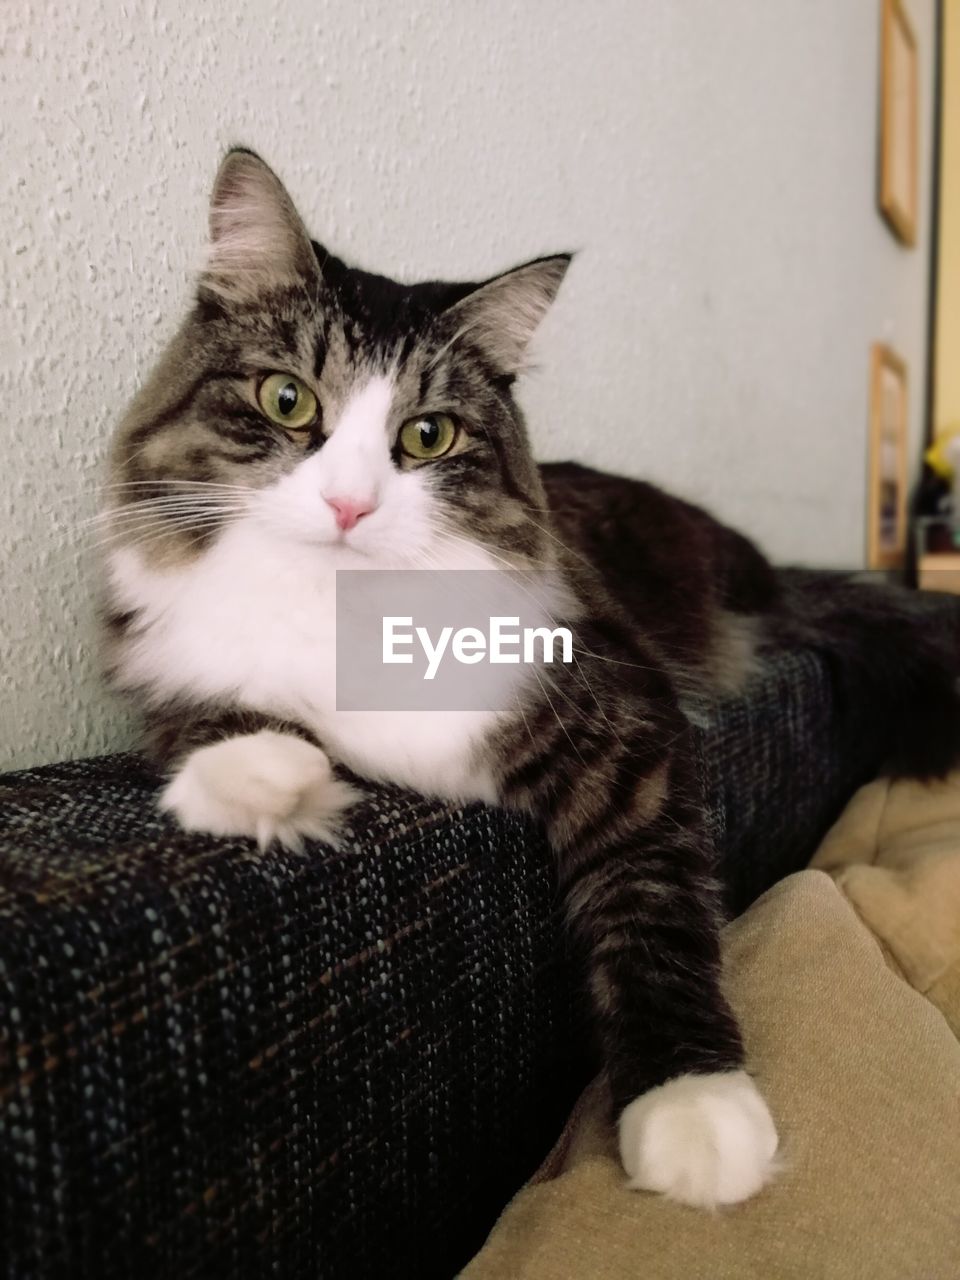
(899, 96)
(887, 492)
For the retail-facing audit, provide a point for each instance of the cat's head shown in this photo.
(330, 407)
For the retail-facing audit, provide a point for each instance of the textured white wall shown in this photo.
(714, 162)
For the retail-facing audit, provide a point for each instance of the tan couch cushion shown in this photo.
(863, 1076)
(895, 853)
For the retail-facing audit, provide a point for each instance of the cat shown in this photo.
(309, 417)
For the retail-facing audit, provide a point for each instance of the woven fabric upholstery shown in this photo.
(777, 767)
(222, 1064)
(217, 1063)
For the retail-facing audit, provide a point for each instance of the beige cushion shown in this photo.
(895, 853)
(863, 1076)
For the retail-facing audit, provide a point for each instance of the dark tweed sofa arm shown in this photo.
(217, 1063)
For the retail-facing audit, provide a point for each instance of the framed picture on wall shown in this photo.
(898, 122)
(887, 494)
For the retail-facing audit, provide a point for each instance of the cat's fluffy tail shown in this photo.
(895, 658)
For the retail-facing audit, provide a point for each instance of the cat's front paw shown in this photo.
(272, 786)
(704, 1140)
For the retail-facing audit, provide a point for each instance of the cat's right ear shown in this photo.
(257, 238)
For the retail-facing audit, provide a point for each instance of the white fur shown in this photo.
(269, 785)
(703, 1140)
(253, 619)
(354, 463)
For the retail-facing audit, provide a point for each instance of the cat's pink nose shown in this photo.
(349, 510)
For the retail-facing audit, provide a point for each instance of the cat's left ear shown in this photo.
(501, 316)
(257, 238)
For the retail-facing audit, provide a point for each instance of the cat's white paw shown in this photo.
(272, 786)
(703, 1140)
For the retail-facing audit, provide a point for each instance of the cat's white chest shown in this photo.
(254, 624)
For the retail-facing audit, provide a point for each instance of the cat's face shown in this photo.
(332, 408)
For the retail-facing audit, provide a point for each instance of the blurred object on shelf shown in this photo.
(933, 493)
(938, 553)
(943, 458)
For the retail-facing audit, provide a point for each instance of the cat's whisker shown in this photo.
(138, 536)
(529, 562)
(560, 543)
(159, 510)
(526, 723)
(157, 520)
(142, 543)
(128, 492)
(184, 480)
(508, 565)
(165, 500)
(496, 552)
(204, 485)
(581, 674)
(618, 662)
(135, 514)
(566, 732)
(112, 525)
(145, 538)
(554, 621)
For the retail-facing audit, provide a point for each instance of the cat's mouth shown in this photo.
(344, 547)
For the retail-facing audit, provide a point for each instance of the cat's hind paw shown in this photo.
(705, 1140)
(271, 786)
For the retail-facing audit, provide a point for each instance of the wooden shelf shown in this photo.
(940, 572)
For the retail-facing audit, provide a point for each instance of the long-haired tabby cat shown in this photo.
(310, 417)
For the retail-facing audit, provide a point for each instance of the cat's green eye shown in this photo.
(287, 401)
(428, 437)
